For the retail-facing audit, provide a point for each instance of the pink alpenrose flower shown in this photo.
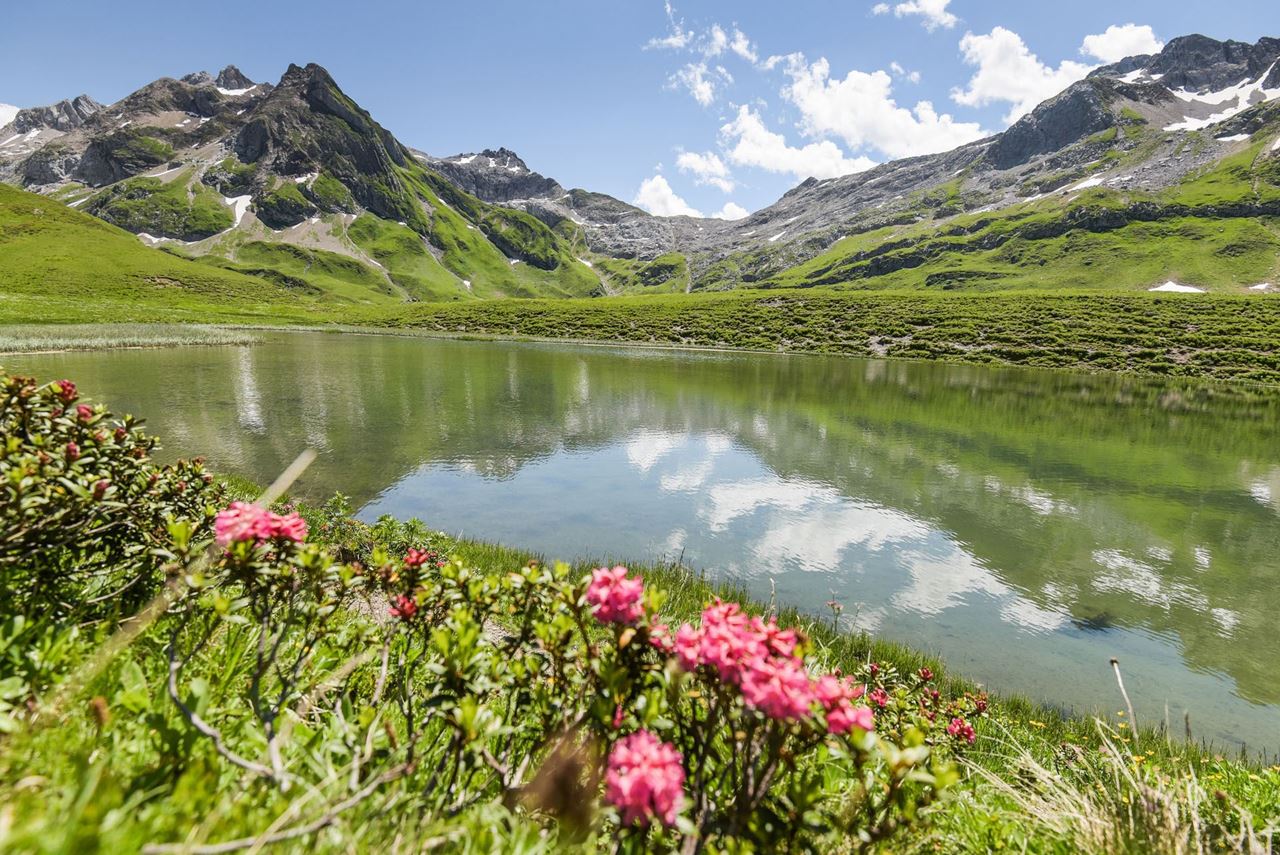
(644, 779)
(615, 598)
(245, 521)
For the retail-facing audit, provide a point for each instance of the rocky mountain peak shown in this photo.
(307, 126)
(495, 175)
(233, 78)
(1076, 113)
(1198, 63)
(230, 80)
(66, 115)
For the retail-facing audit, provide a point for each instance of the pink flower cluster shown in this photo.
(243, 521)
(837, 694)
(763, 661)
(419, 557)
(403, 607)
(614, 598)
(961, 730)
(644, 779)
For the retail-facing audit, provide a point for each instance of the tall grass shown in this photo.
(32, 338)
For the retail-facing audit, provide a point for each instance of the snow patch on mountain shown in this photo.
(7, 112)
(1242, 96)
(239, 205)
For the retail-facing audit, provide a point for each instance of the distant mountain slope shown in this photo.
(1144, 137)
(1153, 168)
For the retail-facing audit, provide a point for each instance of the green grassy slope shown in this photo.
(1219, 230)
(58, 265)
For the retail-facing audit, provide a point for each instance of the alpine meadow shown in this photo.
(880, 455)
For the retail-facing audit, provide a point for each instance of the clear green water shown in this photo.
(1025, 525)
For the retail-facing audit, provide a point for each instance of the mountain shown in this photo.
(1136, 142)
(1157, 167)
(293, 179)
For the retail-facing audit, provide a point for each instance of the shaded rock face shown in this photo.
(49, 165)
(1199, 63)
(1075, 114)
(198, 78)
(233, 78)
(496, 176)
(64, 116)
(308, 125)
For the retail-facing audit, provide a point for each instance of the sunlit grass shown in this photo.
(32, 338)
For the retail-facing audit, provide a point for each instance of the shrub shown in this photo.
(86, 513)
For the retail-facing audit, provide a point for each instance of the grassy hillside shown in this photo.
(1219, 230)
(58, 265)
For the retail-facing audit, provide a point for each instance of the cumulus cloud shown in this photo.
(1120, 41)
(656, 196)
(706, 168)
(747, 141)
(933, 13)
(700, 77)
(859, 109)
(731, 211)
(1008, 71)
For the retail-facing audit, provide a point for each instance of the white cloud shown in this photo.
(701, 82)
(933, 13)
(707, 168)
(899, 71)
(860, 110)
(656, 196)
(1119, 42)
(731, 211)
(716, 41)
(1008, 71)
(742, 46)
(677, 38)
(748, 142)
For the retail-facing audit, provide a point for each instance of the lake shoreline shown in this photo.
(104, 336)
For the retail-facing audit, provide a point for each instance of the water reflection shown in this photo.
(1028, 525)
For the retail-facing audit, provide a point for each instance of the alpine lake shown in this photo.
(1027, 526)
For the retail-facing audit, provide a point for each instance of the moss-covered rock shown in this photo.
(283, 205)
(175, 209)
(330, 195)
(123, 154)
(230, 177)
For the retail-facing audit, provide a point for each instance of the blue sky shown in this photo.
(713, 107)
